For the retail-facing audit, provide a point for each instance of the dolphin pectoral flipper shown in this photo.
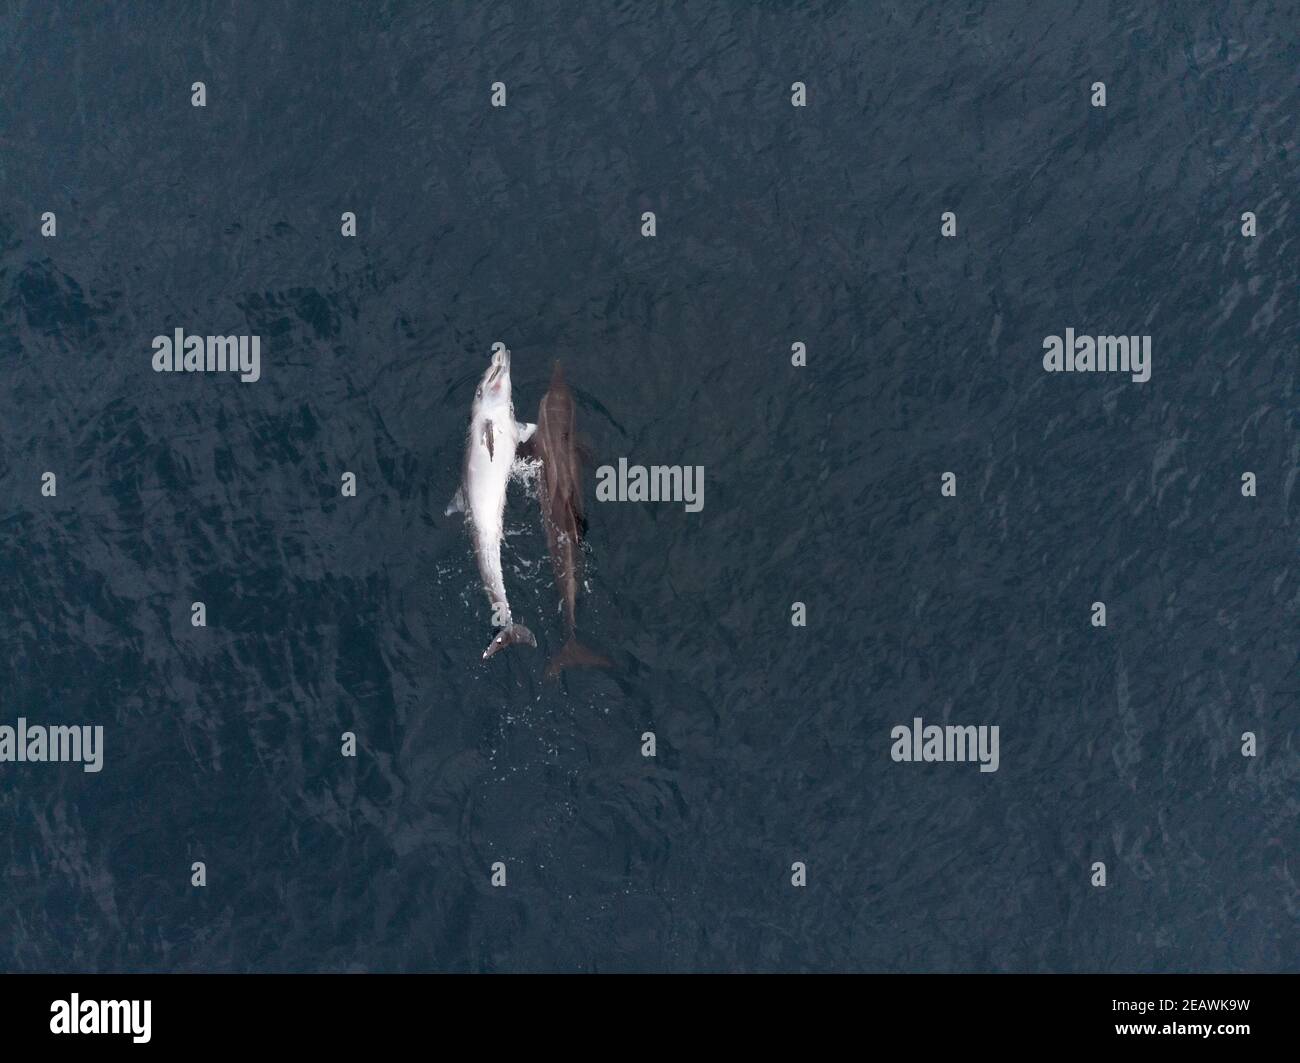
(508, 636)
(457, 503)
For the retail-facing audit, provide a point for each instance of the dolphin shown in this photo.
(494, 436)
(556, 444)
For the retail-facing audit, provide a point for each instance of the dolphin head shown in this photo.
(494, 389)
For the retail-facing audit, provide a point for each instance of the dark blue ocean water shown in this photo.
(775, 225)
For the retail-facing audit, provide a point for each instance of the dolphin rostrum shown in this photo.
(556, 444)
(489, 454)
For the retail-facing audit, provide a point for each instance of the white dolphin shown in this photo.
(494, 436)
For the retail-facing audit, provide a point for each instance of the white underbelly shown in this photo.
(485, 484)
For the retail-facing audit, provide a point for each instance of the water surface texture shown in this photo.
(775, 225)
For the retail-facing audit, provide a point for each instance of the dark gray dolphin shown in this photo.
(556, 444)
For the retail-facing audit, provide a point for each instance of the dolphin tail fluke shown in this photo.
(508, 636)
(573, 654)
